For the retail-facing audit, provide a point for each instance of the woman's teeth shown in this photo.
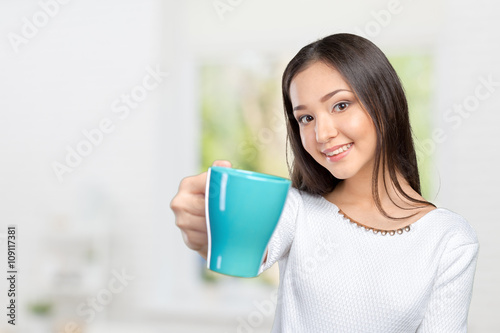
(340, 150)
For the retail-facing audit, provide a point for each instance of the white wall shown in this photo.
(65, 79)
(468, 53)
(62, 81)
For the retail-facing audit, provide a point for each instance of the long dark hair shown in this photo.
(378, 88)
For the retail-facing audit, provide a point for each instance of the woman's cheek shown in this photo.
(357, 125)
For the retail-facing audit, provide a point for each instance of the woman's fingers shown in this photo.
(195, 240)
(222, 163)
(189, 209)
(194, 184)
(185, 204)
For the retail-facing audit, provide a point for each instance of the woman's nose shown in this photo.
(325, 128)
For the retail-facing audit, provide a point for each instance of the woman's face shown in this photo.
(334, 127)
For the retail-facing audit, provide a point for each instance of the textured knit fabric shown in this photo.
(338, 277)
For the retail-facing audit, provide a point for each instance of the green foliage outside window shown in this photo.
(415, 72)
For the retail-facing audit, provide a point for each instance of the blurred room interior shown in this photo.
(106, 106)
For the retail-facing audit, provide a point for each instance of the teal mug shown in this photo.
(242, 211)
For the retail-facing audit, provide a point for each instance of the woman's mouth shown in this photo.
(339, 153)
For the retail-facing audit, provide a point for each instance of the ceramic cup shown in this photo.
(242, 210)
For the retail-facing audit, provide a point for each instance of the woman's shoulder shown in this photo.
(311, 202)
(305, 197)
(455, 225)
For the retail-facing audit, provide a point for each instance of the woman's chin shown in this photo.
(341, 174)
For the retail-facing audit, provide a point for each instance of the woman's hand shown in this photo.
(189, 209)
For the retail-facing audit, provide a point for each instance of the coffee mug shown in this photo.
(242, 210)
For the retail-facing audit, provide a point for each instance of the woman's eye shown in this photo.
(340, 106)
(305, 119)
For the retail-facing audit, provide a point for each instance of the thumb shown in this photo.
(222, 163)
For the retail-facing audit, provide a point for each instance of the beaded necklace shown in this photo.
(375, 230)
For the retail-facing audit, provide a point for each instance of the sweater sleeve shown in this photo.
(449, 302)
(283, 235)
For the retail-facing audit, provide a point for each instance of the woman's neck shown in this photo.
(358, 191)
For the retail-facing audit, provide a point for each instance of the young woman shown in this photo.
(359, 248)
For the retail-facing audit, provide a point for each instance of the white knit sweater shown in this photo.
(338, 277)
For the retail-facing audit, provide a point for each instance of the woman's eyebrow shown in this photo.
(322, 99)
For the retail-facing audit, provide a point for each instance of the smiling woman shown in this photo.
(359, 248)
(349, 130)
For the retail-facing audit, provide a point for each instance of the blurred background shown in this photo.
(106, 106)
